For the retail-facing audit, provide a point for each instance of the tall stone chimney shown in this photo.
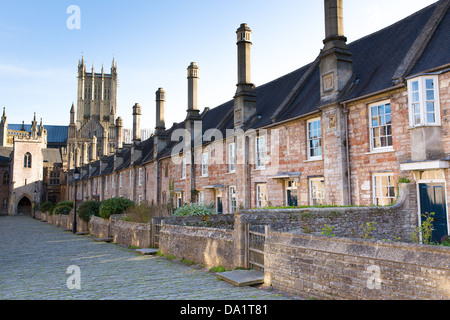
(336, 64)
(245, 98)
(193, 76)
(160, 136)
(3, 130)
(119, 133)
(136, 123)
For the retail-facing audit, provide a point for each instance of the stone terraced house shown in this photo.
(342, 130)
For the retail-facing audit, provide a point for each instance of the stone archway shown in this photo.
(24, 206)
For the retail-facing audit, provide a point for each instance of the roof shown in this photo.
(377, 58)
(52, 155)
(55, 134)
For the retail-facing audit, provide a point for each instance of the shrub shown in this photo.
(194, 209)
(64, 210)
(144, 213)
(65, 203)
(114, 206)
(88, 209)
(46, 206)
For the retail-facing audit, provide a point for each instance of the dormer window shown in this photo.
(423, 96)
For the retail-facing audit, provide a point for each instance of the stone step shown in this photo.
(242, 278)
(147, 251)
(103, 239)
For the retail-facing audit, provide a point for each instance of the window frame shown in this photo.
(308, 140)
(422, 101)
(260, 155)
(27, 160)
(231, 157)
(374, 188)
(261, 203)
(232, 203)
(371, 127)
(205, 166)
(140, 177)
(183, 168)
(311, 193)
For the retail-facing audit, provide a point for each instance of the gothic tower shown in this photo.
(95, 115)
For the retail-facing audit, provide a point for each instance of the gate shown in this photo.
(256, 236)
(156, 227)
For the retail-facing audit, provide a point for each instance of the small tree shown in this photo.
(114, 206)
(194, 209)
(88, 209)
(47, 206)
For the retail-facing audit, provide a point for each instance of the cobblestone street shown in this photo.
(35, 256)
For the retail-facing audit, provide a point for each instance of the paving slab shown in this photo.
(147, 251)
(242, 278)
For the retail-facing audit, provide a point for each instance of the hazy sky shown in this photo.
(153, 42)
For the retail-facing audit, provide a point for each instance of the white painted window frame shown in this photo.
(309, 157)
(423, 101)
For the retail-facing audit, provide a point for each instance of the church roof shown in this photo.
(55, 134)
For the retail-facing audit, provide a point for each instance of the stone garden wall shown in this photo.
(131, 234)
(342, 268)
(207, 246)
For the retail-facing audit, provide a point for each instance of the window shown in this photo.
(140, 177)
(232, 198)
(383, 189)
(27, 160)
(380, 126)
(6, 178)
(316, 191)
(106, 183)
(260, 152)
(139, 200)
(423, 96)
(112, 182)
(291, 193)
(261, 195)
(314, 139)
(179, 203)
(205, 164)
(5, 203)
(201, 197)
(232, 157)
(120, 180)
(183, 169)
(54, 178)
(166, 171)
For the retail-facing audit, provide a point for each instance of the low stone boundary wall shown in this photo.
(132, 234)
(222, 221)
(99, 227)
(342, 268)
(208, 246)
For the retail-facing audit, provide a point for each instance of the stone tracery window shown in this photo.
(27, 160)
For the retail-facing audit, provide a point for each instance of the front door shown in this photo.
(219, 205)
(432, 199)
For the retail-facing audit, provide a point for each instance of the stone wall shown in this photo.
(208, 246)
(132, 234)
(99, 227)
(342, 268)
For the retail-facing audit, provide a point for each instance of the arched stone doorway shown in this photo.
(24, 206)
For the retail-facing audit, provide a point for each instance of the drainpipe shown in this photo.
(347, 151)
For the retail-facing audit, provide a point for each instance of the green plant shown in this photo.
(425, 229)
(194, 209)
(46, 206)
(63, 210)
(65, 203)
(328, 231)
(445, 241)
(403, 180)
(217, 269)
(368, 228)
(114, 206)
(88, 209)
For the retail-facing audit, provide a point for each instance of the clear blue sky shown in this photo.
(153, 42)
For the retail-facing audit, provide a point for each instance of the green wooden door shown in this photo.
(432, 199)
